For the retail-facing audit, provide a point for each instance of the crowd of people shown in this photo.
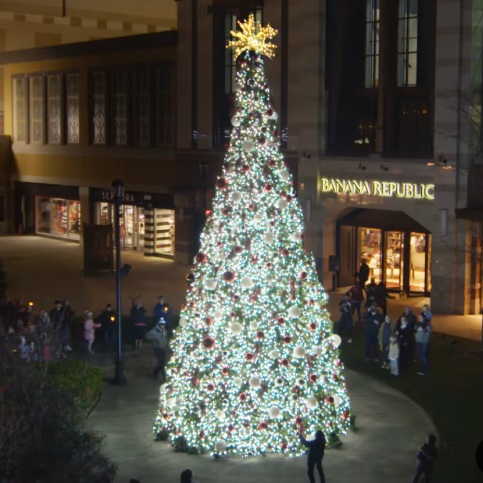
(397, 344)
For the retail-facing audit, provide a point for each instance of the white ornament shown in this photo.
(246, 283)
(318, 351)
(284, 174)
(317, 305)
(294, 237)
(294, 312)
(258, 218)
(274, 116)
(268, 237)
(171, 402)
(274, 412)
(231, 169)
(335, 339)
(238, 381)
(220, 414)
(254, 325)
(311, 402)
(247, 146)
(337, 401)
(274, 354)
(179, 402)
(162, 388)
(237, 196)
(222, 256)
(237, 87)
(299, 352)
(269, 277)
(281, 204)
(217, 315)
(182, 322)
(254, 382)
(220, 446)
(236, 328)
(235, 121)
(210, 283)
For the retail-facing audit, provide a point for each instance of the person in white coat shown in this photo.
(394, 356)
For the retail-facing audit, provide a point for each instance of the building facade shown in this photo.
(379, 107)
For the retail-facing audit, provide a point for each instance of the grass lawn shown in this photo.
(452, 395)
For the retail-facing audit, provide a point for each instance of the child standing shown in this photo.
(394, 356)
(89, 330)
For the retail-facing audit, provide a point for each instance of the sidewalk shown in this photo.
(43, 270)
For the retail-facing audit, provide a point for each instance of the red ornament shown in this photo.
(271, 163)
(298, 420)
(226, 211)
(334, 377)
(210, 387)
(233, 314)
(195, 381)
(288, 198)
(253, 297)
(235, 297)
(229, 276)
(269, 112)
(293, 297)
(218, 359)
(329, 424)
(208, 342)
(222, 183)
(313, 377)
(243, 397)
(268, 187)
(261, 140)
(268, 265)
(260, 334)
(313, 326)
(254, 259)
(225, 371)
(245, 168)
(284, 362)
(183, 307)
(284, 252)
(238, 249)
(284, 446)
(251, 206)
(330, 399)
(201, 435)
(345, 414)
(209, 320)
(263, 425)
(272, 223)
(303, 275)
(231, 427)
(287, 339)
(311, 302)
(246, 424)
(281, 321)
(249, 356)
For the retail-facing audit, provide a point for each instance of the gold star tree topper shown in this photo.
(253, 37)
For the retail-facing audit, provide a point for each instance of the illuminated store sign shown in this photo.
(388, 189)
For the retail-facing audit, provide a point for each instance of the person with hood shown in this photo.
(424, 329)
(372, 319)
(158, 336)
(384, 336)
(426, 457)
(316, 455)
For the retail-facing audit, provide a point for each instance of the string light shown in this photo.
(255, 362)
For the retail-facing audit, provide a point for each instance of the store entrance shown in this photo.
(396, 248)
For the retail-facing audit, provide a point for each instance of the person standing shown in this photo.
(107, 319)
(405, 337)
(384, 336)
(158, 336)
(162, 311)
(426, 457)
(316, 454)
(427, 312)
(138, 321)
(394, 356)
(372, 319)
(371, 292)
(363, 273)
(357, 297)
(89, 330)
(345, 323)
(424, 330)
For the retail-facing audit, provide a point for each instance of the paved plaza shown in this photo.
(391, 427)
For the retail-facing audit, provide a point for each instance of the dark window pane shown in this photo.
(54, 109)
(99, 108)
(72, 91)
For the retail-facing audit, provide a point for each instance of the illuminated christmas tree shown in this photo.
(255, 362)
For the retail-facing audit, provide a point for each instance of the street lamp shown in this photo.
(117, 191)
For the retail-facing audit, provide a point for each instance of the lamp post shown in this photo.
(117, 190)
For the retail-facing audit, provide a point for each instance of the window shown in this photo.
(99, 108)
(119, 107)
(36, 109)
(407, 55)
(164, 105)
(372, 44)
(54, 109)
(20, 110)
(142, 107)
(72, 101)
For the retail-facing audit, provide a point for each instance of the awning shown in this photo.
(383, 220)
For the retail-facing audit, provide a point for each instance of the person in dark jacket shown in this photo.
(363, 273)
(138, 321)
(107, 319)
(345, 323)
(372, 319)
(405, 336)
(371, 289)
(381, 295)
(424, 329)
(158, 337)
(162, 311)
(426, 457)
(316, 454)
(357, 297)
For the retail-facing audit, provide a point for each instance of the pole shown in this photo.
(119, 378)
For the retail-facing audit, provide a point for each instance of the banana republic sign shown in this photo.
(387, 189)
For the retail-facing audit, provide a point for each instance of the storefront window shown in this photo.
(58, 217)
(370, 247)
(394, 259)
(418, 261)
(164, 234)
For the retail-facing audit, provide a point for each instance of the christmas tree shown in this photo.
(254, 361)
